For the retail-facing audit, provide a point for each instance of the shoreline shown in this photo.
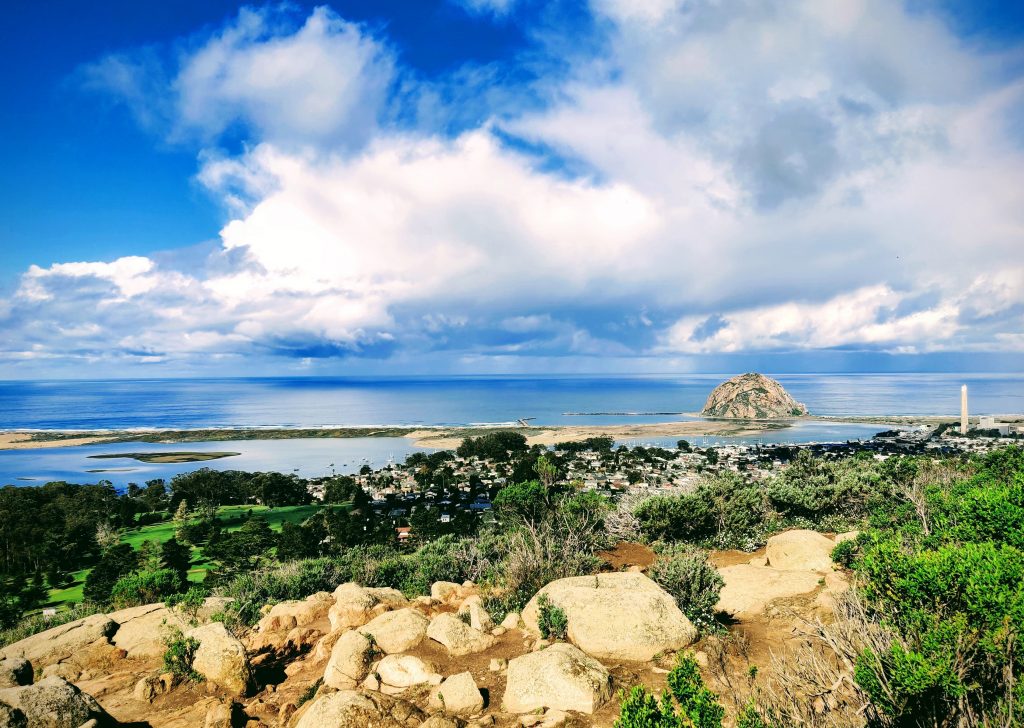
(446, 437)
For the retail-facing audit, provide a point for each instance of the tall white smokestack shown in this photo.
(963, 410)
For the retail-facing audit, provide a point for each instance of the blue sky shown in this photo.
(511, 186)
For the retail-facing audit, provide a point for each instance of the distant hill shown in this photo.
(752, 396)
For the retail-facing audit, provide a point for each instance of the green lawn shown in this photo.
(232, 516)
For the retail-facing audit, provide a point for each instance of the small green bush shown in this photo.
(551, 619)
(189, 602)
(179, 654)
(145, 587)
(686, 704)
(844, 552)
(693, 582)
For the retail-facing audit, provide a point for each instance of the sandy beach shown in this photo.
(447, 439)
(25, 441)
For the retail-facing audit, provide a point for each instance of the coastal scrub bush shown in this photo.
(179, 654)
(145, 587)
(693, 582)
(959, 611)
(723, 511)
(551, 619)
(816, 489)
(188, 602)
(686, 704)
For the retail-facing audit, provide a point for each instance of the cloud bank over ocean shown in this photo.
(656, 184)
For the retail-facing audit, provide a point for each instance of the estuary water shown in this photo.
(415, 401)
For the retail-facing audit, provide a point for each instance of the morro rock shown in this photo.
(752, 397)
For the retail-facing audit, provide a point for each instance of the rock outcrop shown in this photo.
(354, 709)
(397, 631)
(222, 659)
(800, 550)
(350, 661)
(619, 616)
(458, 695)
(61, 642)
(51, 703)
(752, 397)
(560, 677)
(15, 672)
(457, 636)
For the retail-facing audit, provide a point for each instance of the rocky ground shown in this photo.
(370, 657)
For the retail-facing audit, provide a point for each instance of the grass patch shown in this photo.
(232, 517)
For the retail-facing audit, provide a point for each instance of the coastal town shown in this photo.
(446, 486)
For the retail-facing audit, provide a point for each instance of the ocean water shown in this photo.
(204, 403)
(313, 402)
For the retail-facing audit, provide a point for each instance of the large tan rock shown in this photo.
(479, 618)
(619, 616)
(748, 589)
(350, 661)
(353, 709)
(458, 695)
(53, 703)
(445, 591)
(61, 642)
(356, 605)
(560, 677)
(397, 631)
(800, 550)
(404, 671)
(286, 616)
(457, 636)
(141, 630)
(222, 659)
(15, 672)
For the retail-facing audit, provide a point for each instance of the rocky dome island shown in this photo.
(752, 396)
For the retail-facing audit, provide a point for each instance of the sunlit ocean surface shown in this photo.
(295, 402)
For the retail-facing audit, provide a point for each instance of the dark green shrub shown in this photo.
(189, 602)
(686, 704)
(844, 552)
(551, 619)
(179, 654)
(693, 582)
(146, 587)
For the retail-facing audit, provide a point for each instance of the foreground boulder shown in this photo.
(353, 709)
(61, 642)
(404, 671)
(397, 631)
(221, 659)
(620, 616)
(458, 695)
(51, 703)
(457, 636)
(15, 672)
(350, 661)
(356, 605)
(286, 616)
(800, 550)
(560, 677)
(748, 589)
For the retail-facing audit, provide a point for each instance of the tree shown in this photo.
(115, 562)
(176, 556)
(276, 489)
(528, 501)
(243, 549)
(297, 542)
(683, 445)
